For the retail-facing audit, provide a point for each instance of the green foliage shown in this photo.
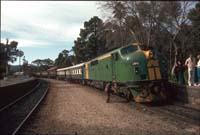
(64, 59)
(164, 26)
(194, 16)
(91, 42)
(8, 53)
(43, 64)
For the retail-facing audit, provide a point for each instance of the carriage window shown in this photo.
(128, 49)
(79, 71)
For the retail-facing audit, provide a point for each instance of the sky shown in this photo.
(44, 28)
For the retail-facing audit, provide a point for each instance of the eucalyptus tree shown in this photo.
(64, 59)
(8, 53)
(162, 25)
(194, 34)
(38, 62)
(90, 42)
(43, 64)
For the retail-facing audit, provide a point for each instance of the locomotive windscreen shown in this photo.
(128, 49)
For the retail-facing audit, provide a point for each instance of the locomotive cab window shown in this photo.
(128, 49)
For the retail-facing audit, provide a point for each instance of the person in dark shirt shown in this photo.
(108, 89)
(179, 70)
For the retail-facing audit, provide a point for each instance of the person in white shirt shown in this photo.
(190, 63)
(198, 69)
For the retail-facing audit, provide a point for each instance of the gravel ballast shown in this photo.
(77, 109)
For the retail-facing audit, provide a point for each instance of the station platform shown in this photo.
(189, 95)
(14, 80)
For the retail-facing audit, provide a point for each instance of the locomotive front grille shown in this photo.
(153, 69)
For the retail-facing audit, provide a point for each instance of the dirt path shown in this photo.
(71, 108)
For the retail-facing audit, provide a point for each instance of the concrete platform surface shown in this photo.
(14, 80)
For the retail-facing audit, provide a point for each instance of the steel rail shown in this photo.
(20, 98)
(32, 110)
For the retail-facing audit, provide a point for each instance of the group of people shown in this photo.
(193, 68)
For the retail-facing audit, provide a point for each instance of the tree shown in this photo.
(38, 62)
(43, 64)
(8, 53)
(194, 35)
(91, 43)
(47, 62)
(64, 59)
(162, 25)
(120, 14)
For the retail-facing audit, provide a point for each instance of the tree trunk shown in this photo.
(175, 58)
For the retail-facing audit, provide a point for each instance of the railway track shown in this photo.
(14, 115)
(18, 99)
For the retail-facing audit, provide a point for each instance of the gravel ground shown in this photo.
(75, 109)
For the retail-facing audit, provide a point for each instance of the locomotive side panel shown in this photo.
(100, 69)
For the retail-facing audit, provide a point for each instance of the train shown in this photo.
(135, 73)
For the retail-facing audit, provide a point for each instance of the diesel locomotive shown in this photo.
(135, 73)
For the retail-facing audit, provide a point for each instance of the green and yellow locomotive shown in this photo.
(135, 73)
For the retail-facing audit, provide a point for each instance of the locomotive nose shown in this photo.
(152, 65)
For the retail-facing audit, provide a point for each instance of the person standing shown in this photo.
(179, 67)
(198, 69)
(190, 63)
(108, 89)
(179, 70)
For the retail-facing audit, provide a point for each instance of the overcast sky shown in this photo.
(44, 28)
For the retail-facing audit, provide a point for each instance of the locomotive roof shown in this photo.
(110, 52)
(75, 66)
(113, 51)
